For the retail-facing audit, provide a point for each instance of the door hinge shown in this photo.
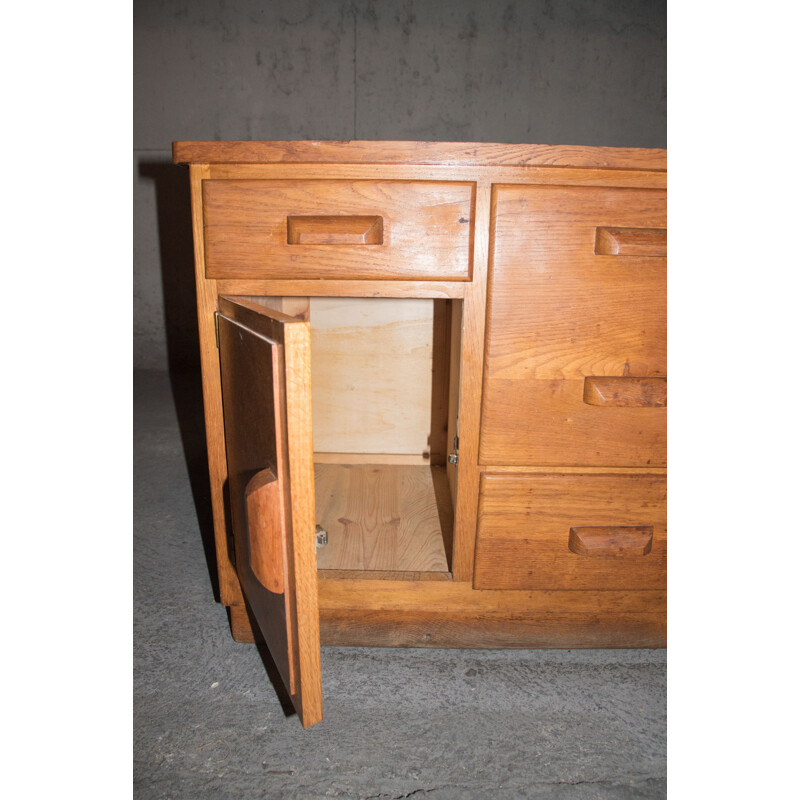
(216, 327)
(453, 457)
(321, 536)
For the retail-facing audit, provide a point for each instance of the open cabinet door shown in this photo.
(265, 362)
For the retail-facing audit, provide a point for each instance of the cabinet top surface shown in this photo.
(419, 153)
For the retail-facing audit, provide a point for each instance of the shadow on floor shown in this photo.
(176, 254)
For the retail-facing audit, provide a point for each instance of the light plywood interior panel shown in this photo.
(371, 361)
(385, 519)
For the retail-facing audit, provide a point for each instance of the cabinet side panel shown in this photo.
(229, 588)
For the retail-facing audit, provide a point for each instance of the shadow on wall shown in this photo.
(174, 219)
(176, 255)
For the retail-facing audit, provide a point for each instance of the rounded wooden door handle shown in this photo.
(266, 530)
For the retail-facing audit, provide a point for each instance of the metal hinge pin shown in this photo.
(321, 536)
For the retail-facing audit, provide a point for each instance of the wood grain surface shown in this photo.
(453, 614)
(625, 392)
(425, 229)
(527, 175)
(524, 524)
(408, 613)
(559, 313)
(456, 153)
(565, 251)
(631, 242)
(229, 588)
(382, 517)
(472, 322)
(255, 438)
(266, 392)
(611, 540)
(372, 364)
(334, 229)
(266, 529)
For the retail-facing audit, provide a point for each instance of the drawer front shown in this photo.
(572, 531)
(384, 230)
(576, 337)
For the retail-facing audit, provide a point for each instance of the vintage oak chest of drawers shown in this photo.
(434, 379)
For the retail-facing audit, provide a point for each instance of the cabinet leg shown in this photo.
(243, 628)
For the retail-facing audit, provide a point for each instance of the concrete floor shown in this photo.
(209, 723)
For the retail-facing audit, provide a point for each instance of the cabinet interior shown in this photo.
(385, 380)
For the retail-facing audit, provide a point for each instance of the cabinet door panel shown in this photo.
(576, 340)
(266, 397)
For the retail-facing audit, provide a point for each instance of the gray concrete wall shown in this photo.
(587, 72)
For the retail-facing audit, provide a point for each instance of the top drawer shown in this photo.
(349, 230)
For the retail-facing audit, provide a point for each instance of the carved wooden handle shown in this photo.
(623, 540)
(265, 529)
(630, 242)
(334, 230)
(629, 392)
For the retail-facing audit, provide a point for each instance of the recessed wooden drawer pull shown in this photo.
(625, 540)
(628, 392)
(335, 229)
(265, 529)
(630, 242)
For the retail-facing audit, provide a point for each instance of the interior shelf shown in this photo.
(391, 521)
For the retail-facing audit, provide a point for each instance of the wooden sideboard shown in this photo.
(482, 460)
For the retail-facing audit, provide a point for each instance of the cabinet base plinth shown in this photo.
(433, 629)
(550, 631)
